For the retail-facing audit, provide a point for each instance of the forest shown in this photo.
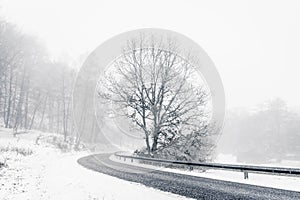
(35, 90)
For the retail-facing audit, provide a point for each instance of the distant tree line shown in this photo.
(35, 91)
(271, 133)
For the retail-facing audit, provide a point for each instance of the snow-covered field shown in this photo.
(274, 181)
(48, 173)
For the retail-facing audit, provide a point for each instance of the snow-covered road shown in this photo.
(267, 180)
(186, 185)
(52, 175)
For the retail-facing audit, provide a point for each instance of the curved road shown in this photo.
(185, 185)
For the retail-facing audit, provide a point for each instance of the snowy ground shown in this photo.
(48, 173)
(230, 159)
(274, 181)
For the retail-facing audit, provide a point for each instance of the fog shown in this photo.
(253, 44)
(270, 133)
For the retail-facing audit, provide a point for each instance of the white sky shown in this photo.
(255, 45)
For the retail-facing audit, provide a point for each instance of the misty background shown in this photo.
(254, 45)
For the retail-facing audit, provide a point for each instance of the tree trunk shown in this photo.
(9, 100)
(5, 99)
(34, 112)
(148, 145)
(43, 113)
(18, 118)
(58, 116)
(26, 111)
(50, 113)
(154, 145)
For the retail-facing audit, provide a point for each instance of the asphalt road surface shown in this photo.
(184, 185)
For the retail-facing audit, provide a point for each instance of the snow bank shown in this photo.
(231, 159)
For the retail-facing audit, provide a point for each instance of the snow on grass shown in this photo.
(274, 181)
(48, 173)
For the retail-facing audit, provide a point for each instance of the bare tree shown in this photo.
(157, 89)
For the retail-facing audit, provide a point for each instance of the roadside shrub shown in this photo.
(19, 150)
(57, 141)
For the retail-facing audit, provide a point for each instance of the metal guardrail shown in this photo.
(242, 168)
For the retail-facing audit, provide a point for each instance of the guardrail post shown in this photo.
(131, 159)
(246, 176)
